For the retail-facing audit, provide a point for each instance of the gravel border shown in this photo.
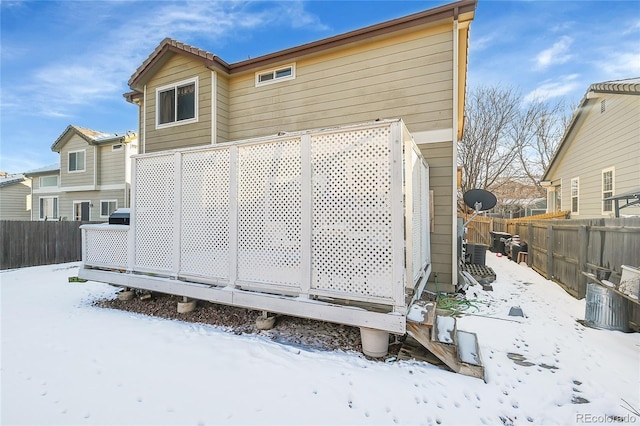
(306, 333)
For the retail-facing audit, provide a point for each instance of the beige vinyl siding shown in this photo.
(441, 178)
(222, 101)
(111, 165)
(15, 201)
(407, 76)
(66, 199)
(74, 179)
(177, 69)
(601, 141)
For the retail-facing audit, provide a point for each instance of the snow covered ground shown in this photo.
(65, 362)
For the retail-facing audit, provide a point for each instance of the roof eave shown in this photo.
(453, 11)
(463, 10)
(158, 58)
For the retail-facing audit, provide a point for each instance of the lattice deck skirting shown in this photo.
(480, 271)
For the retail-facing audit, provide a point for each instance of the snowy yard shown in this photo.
(66, 362)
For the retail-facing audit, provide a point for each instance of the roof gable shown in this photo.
(629, 86)
(462, 10)
(92, 137)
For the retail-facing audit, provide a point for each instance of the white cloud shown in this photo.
(550, 89)
(557, 54)
(482, 43)
(633, 27)
(99, 69)
(621, 65)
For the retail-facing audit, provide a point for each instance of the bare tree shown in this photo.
(487, 151)
(507, 143)
(537, 132)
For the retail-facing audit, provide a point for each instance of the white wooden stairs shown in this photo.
(458, 350)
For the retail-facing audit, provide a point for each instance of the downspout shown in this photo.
(214, 111)
(95, 167)
(454, 138)
(32, 180)
(144, 121)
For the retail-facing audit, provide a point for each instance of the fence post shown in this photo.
(583, 243)
(550, 245)
(530, 261)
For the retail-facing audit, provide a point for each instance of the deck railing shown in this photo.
(339, 213)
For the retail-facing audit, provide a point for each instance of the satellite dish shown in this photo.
(479, 199)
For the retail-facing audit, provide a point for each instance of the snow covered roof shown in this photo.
(46, 169)
(93, 137)
(11, 179)
(629, 86)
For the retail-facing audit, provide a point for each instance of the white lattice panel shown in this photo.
(351, 235)
(155, 212)
(426, 227)
(270, 213)
(204, 230)
(106, 247)
(416, 180)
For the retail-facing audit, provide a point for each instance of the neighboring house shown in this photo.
(15, 197)
(599, 155)
(413, 68)
(92, 180)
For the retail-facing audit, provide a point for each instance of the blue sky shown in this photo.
(68, 62)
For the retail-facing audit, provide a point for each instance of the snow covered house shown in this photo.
(15, 197)
(92, 179)
(598, 159)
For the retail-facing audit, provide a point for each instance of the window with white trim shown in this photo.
(275, 75)
(575, 194)
(48, 208)
(608, 176)
(48, 181)
(177, 103)
(76, 161)
(107, 207)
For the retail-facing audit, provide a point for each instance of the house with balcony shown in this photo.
(92, 179)
(595, 172)
(412, 68)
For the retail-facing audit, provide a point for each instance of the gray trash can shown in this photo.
(605, 309)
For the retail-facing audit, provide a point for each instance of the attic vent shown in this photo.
(603, 106)
(117, 147)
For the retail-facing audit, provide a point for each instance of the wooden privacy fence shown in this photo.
(560, 250)
(36, 243)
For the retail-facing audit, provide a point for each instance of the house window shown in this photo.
(117, 147)
(48, 208)
(607, 189)
(177, 103)
(107, 207)
(76, 161)
(575, 193)
(287, 72)
(48, 181)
